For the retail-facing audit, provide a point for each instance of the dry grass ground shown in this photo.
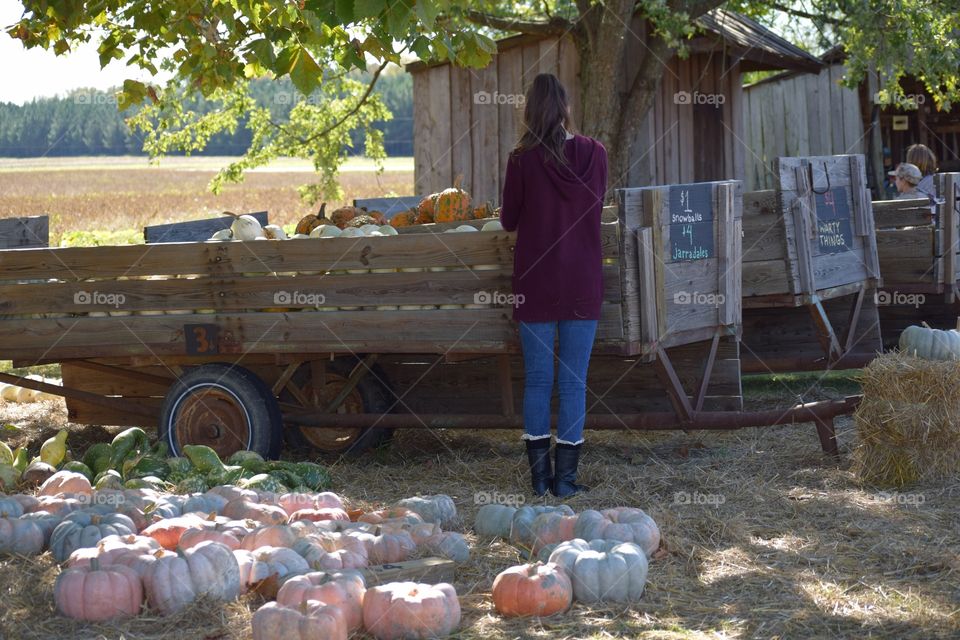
(763, 536)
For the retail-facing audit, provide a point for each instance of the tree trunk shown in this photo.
(614, 103)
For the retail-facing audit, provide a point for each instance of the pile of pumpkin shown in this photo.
(302, 549)
(22, 395)
(591, 557)
(448, 205)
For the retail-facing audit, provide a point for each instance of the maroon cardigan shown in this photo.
(555, 211)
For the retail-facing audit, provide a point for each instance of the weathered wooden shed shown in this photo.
(467, 120)
(798, 113)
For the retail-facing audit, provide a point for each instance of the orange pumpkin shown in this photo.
(310, 221)
(483, 211)
(378, 216)
(532, 590)
(343, 215)
(404, 218)
(426, 209)
(453, 204)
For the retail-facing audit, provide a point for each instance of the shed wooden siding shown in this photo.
(803, 114)
(454, 133)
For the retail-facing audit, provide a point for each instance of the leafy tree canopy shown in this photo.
(216, 47)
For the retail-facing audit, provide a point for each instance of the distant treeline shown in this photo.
(86, 122)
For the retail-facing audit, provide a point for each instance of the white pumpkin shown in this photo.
(10, 393)
(325, 231)
(466, 228)
(367, 229)
(387, 307)
(300, 236)
(246, 228)
(222, 235)
(493, 225)
(274, 232)
(351, 232)
(931, 344)
(387, 230)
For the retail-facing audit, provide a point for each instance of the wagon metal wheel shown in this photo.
(225, 407)
(369, 396)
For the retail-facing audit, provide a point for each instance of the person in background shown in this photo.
(906, 177)
(922, 157)
(553, 194)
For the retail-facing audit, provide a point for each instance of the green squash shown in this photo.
(204, 459)
(97, 458)
(79, 467)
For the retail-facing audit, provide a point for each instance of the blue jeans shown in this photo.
(576, 343)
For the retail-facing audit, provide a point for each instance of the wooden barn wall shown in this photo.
(801, 115)
(458, 132)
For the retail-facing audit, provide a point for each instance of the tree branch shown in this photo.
(346, 116)
(556, 26)
(813, 17)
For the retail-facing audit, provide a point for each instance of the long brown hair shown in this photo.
(923, 157)
(546, 118)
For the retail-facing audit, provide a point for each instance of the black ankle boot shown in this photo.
(565, 475)
(541, 471)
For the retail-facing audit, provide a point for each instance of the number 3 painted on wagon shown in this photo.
(201, 339)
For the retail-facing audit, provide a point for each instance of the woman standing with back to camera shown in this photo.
(553, 196)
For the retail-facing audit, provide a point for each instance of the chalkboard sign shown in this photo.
(834, 234)
(691, 222)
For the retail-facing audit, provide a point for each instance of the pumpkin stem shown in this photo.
(230, 213)
(323, 208)
(94, 564)
(458, 181)
(180, 552)
(303, 607)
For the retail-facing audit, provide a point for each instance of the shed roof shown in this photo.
(759, 48)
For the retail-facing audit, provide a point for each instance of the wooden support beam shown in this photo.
(825, 332)
(707, 370)
(853, 319)
(118, 404)
(674, 388)
(359, 371)
(285, 377)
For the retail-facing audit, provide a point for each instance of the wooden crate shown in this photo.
(23, 233)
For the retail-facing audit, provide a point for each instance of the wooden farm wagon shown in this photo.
(810, 268)
(337, 342)
(918, 259)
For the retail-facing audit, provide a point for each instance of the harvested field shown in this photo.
(84, 194)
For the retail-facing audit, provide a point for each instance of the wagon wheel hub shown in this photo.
(325, 438)
(214, 418)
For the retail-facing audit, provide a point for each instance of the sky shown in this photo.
(25, 75)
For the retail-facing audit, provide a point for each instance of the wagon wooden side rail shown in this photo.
(918, 247)
(343, 340)
(810, 268)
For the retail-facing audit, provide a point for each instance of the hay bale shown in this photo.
(908, 421)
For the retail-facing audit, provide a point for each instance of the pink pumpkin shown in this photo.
(407, 610)
(309, 620)
(317, 515)
(343, 589)
(65, 482)
(95, 593)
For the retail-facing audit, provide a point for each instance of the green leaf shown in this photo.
(133, 93)
(305, 73)
(344, 10)
(263, 52)
(368, 8)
